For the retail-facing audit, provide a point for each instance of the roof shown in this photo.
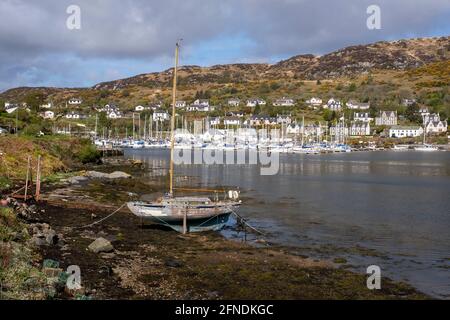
(405, 128)
(388, 113)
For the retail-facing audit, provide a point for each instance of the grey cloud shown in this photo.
(32, 31)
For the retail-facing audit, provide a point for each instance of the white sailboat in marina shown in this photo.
(185, 214)
(425, 147)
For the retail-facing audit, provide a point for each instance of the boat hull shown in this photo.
(198, 218)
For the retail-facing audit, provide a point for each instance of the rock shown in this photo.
(173, 263)
(119, 175)
(51, 237)
(76, 179)
(39, 240)
(113, 175)
(108, 255)
(101, 245)
(96, 175)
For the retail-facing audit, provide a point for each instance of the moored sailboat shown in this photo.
(185, 214)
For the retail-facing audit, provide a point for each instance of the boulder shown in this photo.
(101, 245)
(51, 237)
(39, 240)
(119, 175)
(96, 174)
(76, 179)
(113, 175)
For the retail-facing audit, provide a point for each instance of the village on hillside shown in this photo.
(340, 120)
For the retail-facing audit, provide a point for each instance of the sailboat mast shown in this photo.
(172, 122)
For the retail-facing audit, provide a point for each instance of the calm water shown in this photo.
(391, 209)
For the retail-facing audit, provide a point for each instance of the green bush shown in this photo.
(89, 154)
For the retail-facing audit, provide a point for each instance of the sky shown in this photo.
(122, 38)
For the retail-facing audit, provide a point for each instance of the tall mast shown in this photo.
(172, 122)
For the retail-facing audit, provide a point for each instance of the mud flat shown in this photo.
(151, 262)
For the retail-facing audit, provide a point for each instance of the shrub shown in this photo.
(89, 154)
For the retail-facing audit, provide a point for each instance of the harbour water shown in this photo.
(386, 208)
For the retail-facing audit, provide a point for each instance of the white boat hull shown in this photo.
(199, 217)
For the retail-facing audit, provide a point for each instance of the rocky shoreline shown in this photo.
(120, 258)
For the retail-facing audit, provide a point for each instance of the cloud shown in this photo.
(120, 38)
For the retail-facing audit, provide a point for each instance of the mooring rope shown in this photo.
(247, 224)
(101, 220)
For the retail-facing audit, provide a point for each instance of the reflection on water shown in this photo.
(386, 208)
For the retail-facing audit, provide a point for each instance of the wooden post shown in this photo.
(28, 176)
(38, 179)
(185, 220)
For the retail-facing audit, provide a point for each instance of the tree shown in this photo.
(412, 113)
(34, 100)
(329, 115)
(257, 109)
(103, 120)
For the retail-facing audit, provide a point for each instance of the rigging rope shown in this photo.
(103, 219)
(247, 224)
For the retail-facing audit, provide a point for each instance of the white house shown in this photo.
(293, 129)
(114, 114)
(431, 117)
(386, 118)
(334, 105)
(424, 111)
(408, 102)
(436, 127)
(352, 104)
(314, 102)
(73, 115)
(362, 117)
(284, 119)
(232, 121)
(405, 131)
(75, 101)
(234, 102)
(160, 115)
(199, 108)
(139, 108)
(284, 102)
(48, 114)
(359, 128)
(11, 107)
(239, 114)
(338, 130)
(180, 104)
(433, 123)
(46, 106)
(112, 111)
(215, 121)
(260, 120)
(201, 102)
(255, 102)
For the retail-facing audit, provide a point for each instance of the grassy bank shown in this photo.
(58, 154)
(20, 276)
